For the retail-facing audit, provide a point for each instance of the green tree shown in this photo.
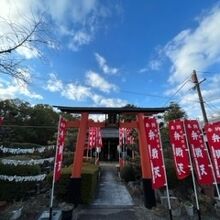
(23, 123)
(42, 115)
(175, 112)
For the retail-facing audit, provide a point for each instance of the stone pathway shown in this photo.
(112, 201)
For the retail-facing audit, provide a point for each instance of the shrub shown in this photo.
(171, 174)
(183, 186)
(67, 158)
(88, 183)
(127, 173)
(10, 191)
(22, 170)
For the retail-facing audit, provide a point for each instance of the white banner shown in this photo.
(15, 178)
(25, 150)
(27, 162)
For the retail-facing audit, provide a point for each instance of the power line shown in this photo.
(209, 72)
(210, 100)
(213, 106)
(142, 94)
(210, 108)
(179, 88)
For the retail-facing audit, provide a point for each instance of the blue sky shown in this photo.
(112, 53)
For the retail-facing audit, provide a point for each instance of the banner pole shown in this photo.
(54, 167)
(192, 171)
(212, 168)
(123, 147)
(167, 187)
(87, 153)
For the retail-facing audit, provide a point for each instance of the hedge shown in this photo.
(20, 145)
(10, 191)
(127, 173)
(88, 183)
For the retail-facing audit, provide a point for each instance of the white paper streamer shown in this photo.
(26, 162)
(25, 151)
(15, 178)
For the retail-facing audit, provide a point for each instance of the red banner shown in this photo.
(122, 135)
(125, 136)
(60, 145)
(199, 152)
(155, 152)
(213, 136)
(99, 137)
(92, 137)
(180, 149)
(95, 137)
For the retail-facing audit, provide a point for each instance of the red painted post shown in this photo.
(75, 181)
(144, 153)
(149, 197)
(78, 157)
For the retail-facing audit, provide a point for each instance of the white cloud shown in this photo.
(154, 64)
(76, 92)
(77, 11)
(16, 22)
(143, 70)
(189, 100)
(96, 81)
(15, 88)
(196, 48)
(28, 51)
(103, 65)
(78, 21)
(72, 91)
(108, 102)
(79, 38)
(54, 84)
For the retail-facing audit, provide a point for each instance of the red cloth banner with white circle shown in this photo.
(180, 149)
(213, 136)
(155, 152)
(199, 152)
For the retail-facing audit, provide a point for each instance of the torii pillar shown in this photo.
(149, 196)
(75, 180)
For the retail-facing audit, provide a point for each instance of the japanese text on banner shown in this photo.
(179, 147)
(125, 136)
(155, 152)
(199, 152)
(213, 136)
(60, 145)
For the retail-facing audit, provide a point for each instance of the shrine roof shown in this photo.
(108, 110)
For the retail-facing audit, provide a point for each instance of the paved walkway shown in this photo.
(112, 201)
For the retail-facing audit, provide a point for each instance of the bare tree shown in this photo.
(30, 36)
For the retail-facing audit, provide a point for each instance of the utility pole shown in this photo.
(197, 86)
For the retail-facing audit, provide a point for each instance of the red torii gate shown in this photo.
(84, 123)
